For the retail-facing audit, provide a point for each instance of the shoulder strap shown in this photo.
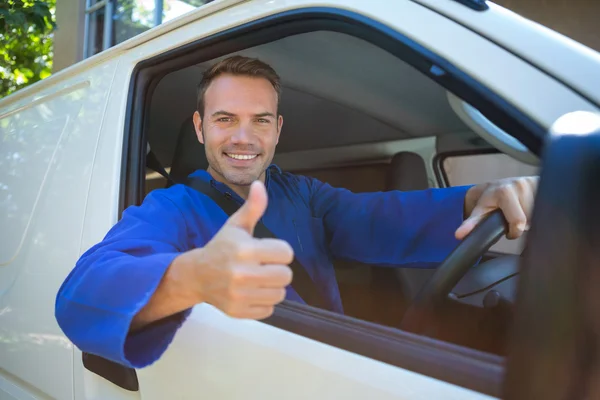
(153, 163)
(302, 282)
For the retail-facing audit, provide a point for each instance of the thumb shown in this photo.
(252, 210)
(469, 224)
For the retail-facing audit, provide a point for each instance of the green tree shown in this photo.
(26, 28)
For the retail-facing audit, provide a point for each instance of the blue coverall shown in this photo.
(114, 279)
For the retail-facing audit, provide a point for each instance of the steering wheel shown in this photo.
(428, 302)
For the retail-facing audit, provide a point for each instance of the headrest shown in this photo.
(407, 171)
(189, 154)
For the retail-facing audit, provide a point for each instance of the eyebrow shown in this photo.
(228, 114)
(265, 114)
(222, 112)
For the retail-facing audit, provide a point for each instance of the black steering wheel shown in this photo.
(428, 302)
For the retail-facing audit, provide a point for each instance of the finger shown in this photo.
(273, 276)
(259, 312)
(251, 312)
(470, 223)
(514, 214)
(273, 251)
(527, 199)
(252, 210)
(261, 276)
(264, 296)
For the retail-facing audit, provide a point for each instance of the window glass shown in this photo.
(478, 168)
(174, 8)
(131, 18)
(95, 32)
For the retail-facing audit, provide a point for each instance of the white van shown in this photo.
(378, 95)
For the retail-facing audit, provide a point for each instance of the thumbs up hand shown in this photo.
(243, 276)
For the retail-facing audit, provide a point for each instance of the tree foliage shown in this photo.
(26, 28)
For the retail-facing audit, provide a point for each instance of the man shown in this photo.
(127, 295)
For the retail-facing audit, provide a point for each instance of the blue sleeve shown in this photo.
(402, 229)
(114, 280)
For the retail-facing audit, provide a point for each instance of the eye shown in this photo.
(263, 121)
(224, 119)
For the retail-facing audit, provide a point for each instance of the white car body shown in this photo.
(68, 161)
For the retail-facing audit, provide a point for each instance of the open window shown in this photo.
(367, 109)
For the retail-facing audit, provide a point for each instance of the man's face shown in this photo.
(240, 128)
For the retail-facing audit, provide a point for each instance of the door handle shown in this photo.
(120, 375)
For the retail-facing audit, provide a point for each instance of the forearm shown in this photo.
(396, 228)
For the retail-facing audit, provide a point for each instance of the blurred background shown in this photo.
(41, 37)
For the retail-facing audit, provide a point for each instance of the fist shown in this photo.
(243, 276)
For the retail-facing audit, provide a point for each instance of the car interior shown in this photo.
(357, 117)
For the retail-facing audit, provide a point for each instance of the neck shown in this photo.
(241, 190)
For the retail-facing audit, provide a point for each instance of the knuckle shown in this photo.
(237, 276)
(280, 296)
(238, 281)
(288, 252)
(533, 181)
(244, 250)
(288, 275)
(267, 312)
(284, 275)
(231, 309)
(284, 250)
(504, 190)
(521, 184)
(235, 297)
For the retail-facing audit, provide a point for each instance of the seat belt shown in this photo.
(155, 165)
(302, 283)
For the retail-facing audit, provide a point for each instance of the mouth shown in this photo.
(242, 157)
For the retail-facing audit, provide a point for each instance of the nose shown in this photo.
(243, 134)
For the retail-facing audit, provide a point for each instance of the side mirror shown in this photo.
(555, 346)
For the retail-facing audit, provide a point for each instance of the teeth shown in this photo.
(242, 156)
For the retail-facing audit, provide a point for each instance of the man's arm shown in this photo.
(128, 295)
(405, 229)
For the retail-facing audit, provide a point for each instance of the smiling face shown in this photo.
(240, 128)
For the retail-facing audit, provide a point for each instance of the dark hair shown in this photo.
(237, 65)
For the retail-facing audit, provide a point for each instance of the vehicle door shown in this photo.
(302, 352)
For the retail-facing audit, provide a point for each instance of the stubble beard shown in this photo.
(235, 178)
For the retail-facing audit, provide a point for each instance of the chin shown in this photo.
(241, 179)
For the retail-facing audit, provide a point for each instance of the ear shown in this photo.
(198, 126)
(279, 125)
